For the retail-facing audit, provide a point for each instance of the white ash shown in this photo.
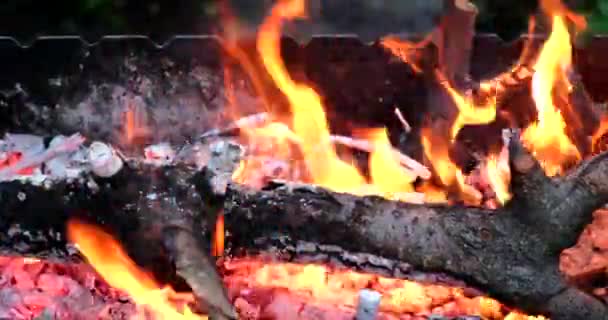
(67, 158)
(161, 154)
(65, 165)
(26, 144)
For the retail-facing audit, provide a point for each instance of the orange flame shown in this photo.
(547, 137)
(129, 125)
(113, 264)
(557, 8)
(217, 248)
(309, 122)
(405, 50)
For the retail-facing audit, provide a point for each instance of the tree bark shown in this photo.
(512, 252)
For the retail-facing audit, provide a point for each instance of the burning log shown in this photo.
(477, 245)
(511, 252)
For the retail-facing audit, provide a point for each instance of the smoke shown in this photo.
(368, 19)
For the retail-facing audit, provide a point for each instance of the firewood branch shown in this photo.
(512, 252)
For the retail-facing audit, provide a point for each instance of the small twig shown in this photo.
(406, 126)
(364, 145)
(252, 121)
(259, 119)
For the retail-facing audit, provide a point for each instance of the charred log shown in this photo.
(142, 206)
(512, 252)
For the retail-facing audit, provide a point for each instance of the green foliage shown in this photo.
(598, 18)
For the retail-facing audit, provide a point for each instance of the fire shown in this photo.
(499, 176)
(217, 248)
(436, 151)
(318, 285)
(129, 125)
(385, 171)
(405, 50)
(468, 113)
(113, 264)
(547, 137)
(134, 122)
(309, 122)
(309, 130)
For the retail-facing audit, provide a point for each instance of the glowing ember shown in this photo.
(113, 264)
(547, 138)
(328, 287)
(12, 158)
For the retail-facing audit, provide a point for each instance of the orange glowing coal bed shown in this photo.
(329, 287)
(316, 284)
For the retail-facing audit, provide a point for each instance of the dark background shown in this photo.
(160, 19)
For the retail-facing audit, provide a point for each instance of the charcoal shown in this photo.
(316, 259)
(306, 247)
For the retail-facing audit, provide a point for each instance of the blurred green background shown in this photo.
(162, 18)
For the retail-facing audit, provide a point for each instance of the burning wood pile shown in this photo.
(469, 207)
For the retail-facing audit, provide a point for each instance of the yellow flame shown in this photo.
(436, 151)
(385, 170)
(309, 122)
(113, 264)
(468, 113)
(499, 176)
(547, 137)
